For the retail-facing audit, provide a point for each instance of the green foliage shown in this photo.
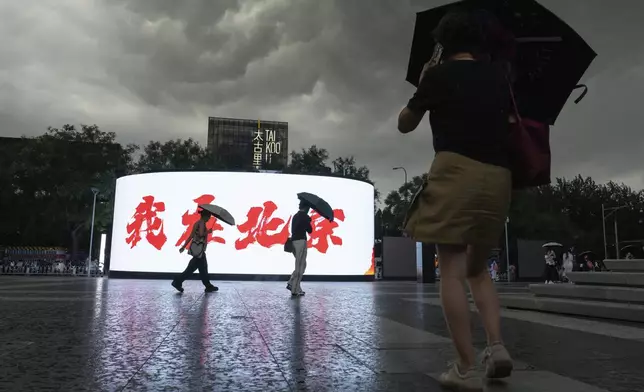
(397, 203)
(570, 211)
(567, 211)
(174, 155)
(49, 184)
(313, 161)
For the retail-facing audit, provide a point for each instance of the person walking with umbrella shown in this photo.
(300, 226)
(198, 241)
(463, 205)
(550, 273)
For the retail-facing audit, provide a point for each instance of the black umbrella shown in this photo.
(318, 204)
(550, 57)
(219, 213)
(588, 252)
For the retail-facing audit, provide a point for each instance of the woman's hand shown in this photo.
(434, 61)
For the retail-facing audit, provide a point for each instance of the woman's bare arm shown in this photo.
(408, 120)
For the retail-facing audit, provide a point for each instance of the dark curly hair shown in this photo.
(467, 31)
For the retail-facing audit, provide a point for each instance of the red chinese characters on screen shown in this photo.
(146, 213)
(323, 231)
(263, 228)
(188, 219)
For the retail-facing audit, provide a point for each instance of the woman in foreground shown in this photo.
(465, 200)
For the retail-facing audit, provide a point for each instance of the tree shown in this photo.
(346, 167)
(397, 203)
(52, 180)
(567, 211)
(311, 161)
(175, 155)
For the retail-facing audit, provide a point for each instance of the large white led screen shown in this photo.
(154, 213)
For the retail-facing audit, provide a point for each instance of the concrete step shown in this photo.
(587, 292)
(636, 265)
(629, 279)
(596, 309)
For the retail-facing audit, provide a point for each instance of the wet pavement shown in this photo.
(79, 334)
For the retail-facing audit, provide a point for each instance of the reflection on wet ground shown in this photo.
(78, 334)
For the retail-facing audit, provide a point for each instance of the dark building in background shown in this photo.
(248, 144)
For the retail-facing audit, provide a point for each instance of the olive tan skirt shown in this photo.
(462, 202)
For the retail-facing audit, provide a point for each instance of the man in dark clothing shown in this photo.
(300, 225)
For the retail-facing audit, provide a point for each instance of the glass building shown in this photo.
(248, 144)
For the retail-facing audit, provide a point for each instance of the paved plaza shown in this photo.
(80, 334)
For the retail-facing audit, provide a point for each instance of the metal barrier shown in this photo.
(48, 270)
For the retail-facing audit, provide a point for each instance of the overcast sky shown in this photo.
(334, 69)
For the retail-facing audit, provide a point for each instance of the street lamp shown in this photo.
(507, 249)
(403, 169)
(606, 212)
(91, 235)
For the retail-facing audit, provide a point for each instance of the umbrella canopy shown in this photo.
(318, 204)
(552, 245)
(627, 247)
(549, 57)
(219, 213)
(588, 252)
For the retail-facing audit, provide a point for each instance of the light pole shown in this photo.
(507, 249)
(91, 234)
(606, 212)
(403, 169)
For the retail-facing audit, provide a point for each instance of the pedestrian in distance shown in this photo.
(300, 226)
(198, 241)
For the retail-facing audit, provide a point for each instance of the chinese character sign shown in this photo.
(154, 214)
(258, 148)
(190, 218)
(146, 219)
(263, 228)
(323, 231)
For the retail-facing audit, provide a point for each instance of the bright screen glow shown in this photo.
(101, 254)
(154, 213)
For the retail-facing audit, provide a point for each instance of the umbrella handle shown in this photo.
(583, 93)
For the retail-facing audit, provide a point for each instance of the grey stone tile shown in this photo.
(368, 383)
(194, 363)
(537, 381)
(301, 362)
(249, 336)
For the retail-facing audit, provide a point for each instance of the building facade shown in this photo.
(248, 144)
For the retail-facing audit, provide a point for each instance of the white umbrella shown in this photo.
(219, 213)
(552, 245)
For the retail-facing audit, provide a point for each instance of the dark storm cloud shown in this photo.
(334, 69)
